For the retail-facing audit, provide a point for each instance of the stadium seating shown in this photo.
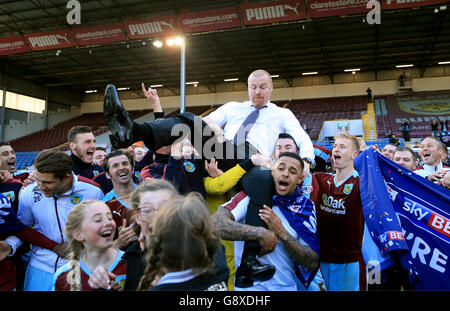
(313, 112)
(419, 108)
(24, 159)
(197, 110)
(57, 135)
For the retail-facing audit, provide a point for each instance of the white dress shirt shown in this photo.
(272, 121)
(427, 170)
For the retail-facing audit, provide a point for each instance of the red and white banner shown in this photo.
(12, 45)
(99, 34)
(272, 12)
(326, 8)
(210, 20)
(157, 26)
(398, 4)
(50, 40)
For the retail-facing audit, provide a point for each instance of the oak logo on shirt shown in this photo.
(332, 205)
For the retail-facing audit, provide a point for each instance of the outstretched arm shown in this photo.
(152, 94)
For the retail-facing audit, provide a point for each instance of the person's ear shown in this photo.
(78, 236)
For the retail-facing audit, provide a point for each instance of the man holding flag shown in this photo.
(408, 216)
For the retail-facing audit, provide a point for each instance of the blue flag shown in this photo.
(8, 217)
(301, 215)
(407, 214)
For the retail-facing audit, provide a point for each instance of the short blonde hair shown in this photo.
(259, 73)
(352, 138)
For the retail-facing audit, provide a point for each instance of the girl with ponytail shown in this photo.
(90, 229)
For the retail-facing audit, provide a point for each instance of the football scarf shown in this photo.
(301, 215)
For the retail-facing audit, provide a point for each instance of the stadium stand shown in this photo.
(57, 135)
(197, 110)
(314, 112)
(419, 108)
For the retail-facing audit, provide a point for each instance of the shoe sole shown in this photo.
(113, 110)
(244, 284)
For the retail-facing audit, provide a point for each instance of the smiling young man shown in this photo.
(45, 205)
(119, 169)
(8, 161)
(340, 219)
(291, 221)
(82, 145)
(9, 187)
(7, 158)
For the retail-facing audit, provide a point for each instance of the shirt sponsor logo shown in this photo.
(332, 205)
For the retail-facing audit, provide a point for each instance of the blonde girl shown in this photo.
(90, 229)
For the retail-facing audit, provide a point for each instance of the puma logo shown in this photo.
(167, 24)
(288, 7)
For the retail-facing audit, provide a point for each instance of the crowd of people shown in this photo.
(240, 203)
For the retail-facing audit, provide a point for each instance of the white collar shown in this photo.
(433, 168)
(177, 277)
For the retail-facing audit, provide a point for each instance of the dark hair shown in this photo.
(286, 135)
(404, 148)
(100, 148)
(295, 156)
(4, 143)
(117, 153)
(53, 161)
(78, 129)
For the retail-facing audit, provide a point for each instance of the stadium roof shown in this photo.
(328, 45)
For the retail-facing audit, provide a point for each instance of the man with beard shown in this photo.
(119, 167)
(82, 145)
(290, 243)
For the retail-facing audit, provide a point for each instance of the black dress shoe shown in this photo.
(243, 281)
(118, 119)
(252, 270)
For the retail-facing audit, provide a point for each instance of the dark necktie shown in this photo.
(242, 132)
